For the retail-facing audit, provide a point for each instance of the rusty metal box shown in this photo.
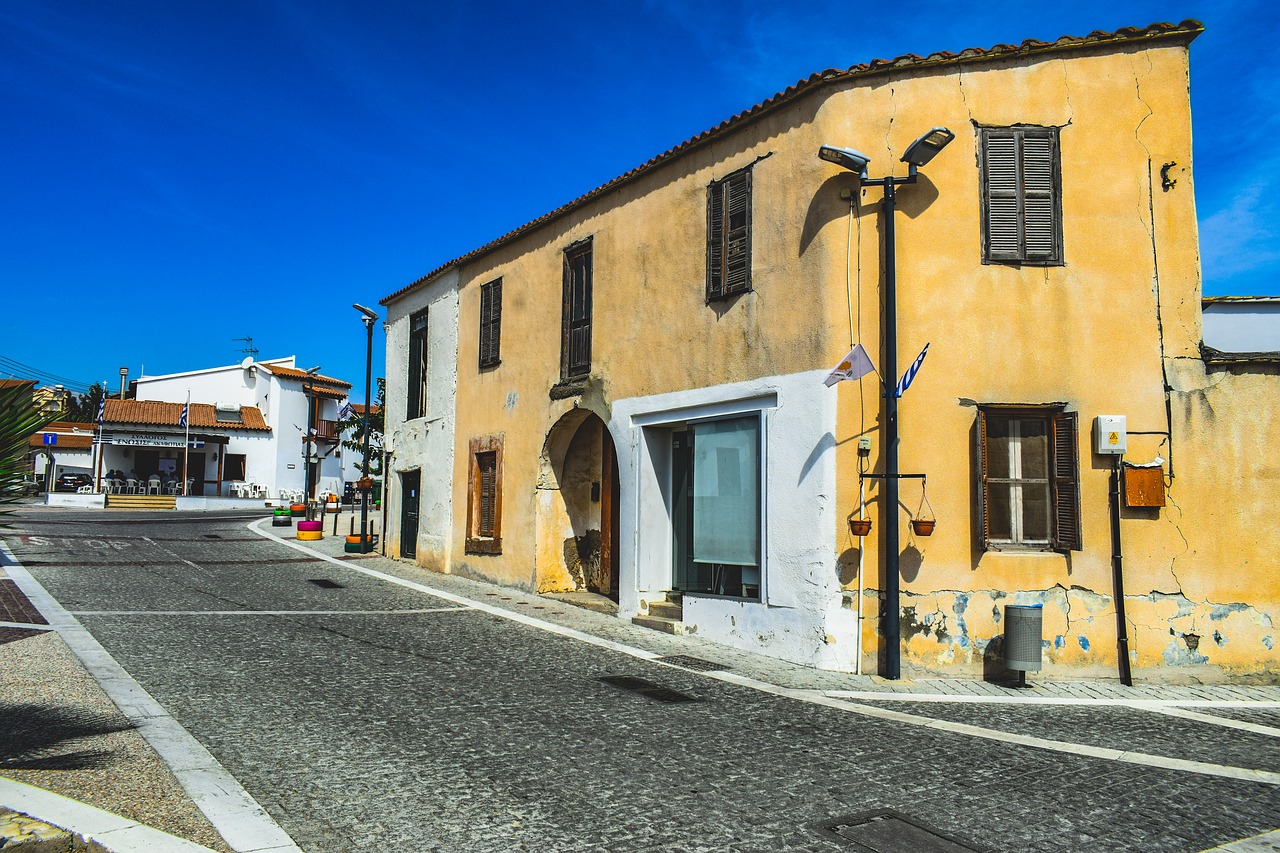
(1144, 486)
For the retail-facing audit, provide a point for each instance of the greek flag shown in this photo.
(345, 412)
(102, 407)
(905, 382)
(182, 421)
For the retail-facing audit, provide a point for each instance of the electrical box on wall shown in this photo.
(1110, 436)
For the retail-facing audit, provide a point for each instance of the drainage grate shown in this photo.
(325, 583)
(696, 664)
(887, 831)
(647, 688)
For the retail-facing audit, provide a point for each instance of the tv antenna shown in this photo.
(248, 345)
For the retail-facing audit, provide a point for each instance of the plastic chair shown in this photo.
(106, 486)
(153, 486)
(131, 485)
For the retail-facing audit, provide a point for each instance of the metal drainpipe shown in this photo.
(1117, 570)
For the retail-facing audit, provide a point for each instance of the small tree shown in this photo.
(352, 429)
(19, 420)
(83, 408)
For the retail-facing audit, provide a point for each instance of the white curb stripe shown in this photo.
(1138, 704)
(116, 833)
(1226, 722)
(242, 823)
(817, 697)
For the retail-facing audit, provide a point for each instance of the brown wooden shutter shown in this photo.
(729, 235)
(737, 233)
(1021, 204)
(576, 336)
(487, 463)
(1039, 198)
(715, 240)
(1065, 466)
(490, 323)
(1002, 202)
(983, 527)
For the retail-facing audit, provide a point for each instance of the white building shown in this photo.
(247, 423)
(62, 448)
(1242, 324)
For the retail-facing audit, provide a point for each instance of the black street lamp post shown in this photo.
(366, 482)
(918, 154)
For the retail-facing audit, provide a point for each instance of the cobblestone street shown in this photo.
(364, 712)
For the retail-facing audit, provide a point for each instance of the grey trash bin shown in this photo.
(1023, 630)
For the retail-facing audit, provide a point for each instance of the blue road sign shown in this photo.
(50, 438)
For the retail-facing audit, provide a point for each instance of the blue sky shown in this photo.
(181, 174)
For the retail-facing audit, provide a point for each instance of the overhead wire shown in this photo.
(17, 370)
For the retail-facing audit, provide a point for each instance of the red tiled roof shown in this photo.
(1185, 31)
(66, 426)
(16, 383)
(294, 373)
(358, 408)
(202, 415)
(66, 441)
(330, 393)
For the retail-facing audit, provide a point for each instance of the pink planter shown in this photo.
(311, 525)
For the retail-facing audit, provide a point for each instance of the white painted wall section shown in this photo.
(800, 617)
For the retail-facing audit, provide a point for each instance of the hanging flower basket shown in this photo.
(923, 526)
(859, 526)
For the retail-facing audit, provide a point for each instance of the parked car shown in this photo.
(70, 482)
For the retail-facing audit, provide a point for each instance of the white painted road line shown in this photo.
(258, 613)
(818, 697)
(1226, 722)
(236, 815)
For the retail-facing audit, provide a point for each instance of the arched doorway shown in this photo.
(577, 500)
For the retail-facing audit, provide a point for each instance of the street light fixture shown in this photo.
(366, 482)
(918, 153)
(307, 480)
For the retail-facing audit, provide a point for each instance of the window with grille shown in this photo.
(417, 387)
(729, 235)
(575, 345)
(1021, 174)
(1028, 472)
(490, 323)
(484, 496)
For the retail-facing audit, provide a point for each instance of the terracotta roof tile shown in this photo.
(16, 383)
(202, 416)
(1186, 31)
(294, 373)
(66, 441)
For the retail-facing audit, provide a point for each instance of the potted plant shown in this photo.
(859, 526)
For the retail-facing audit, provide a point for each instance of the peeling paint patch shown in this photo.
(1084, 642)
(1268, 641)
(1218, 612)
(1059, 641)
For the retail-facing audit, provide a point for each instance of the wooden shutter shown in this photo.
(488, 486)
(1002, 204)
(715, 240)
(1065, 467)
(1039, 198)
(729, 235)
(490, 323)
(737, 233)
(576, 342)
(416, 396)
(1021, 205)
(983, 527)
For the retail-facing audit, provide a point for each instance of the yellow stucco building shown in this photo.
(626, 396)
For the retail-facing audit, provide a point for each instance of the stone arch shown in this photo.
(577, 508)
